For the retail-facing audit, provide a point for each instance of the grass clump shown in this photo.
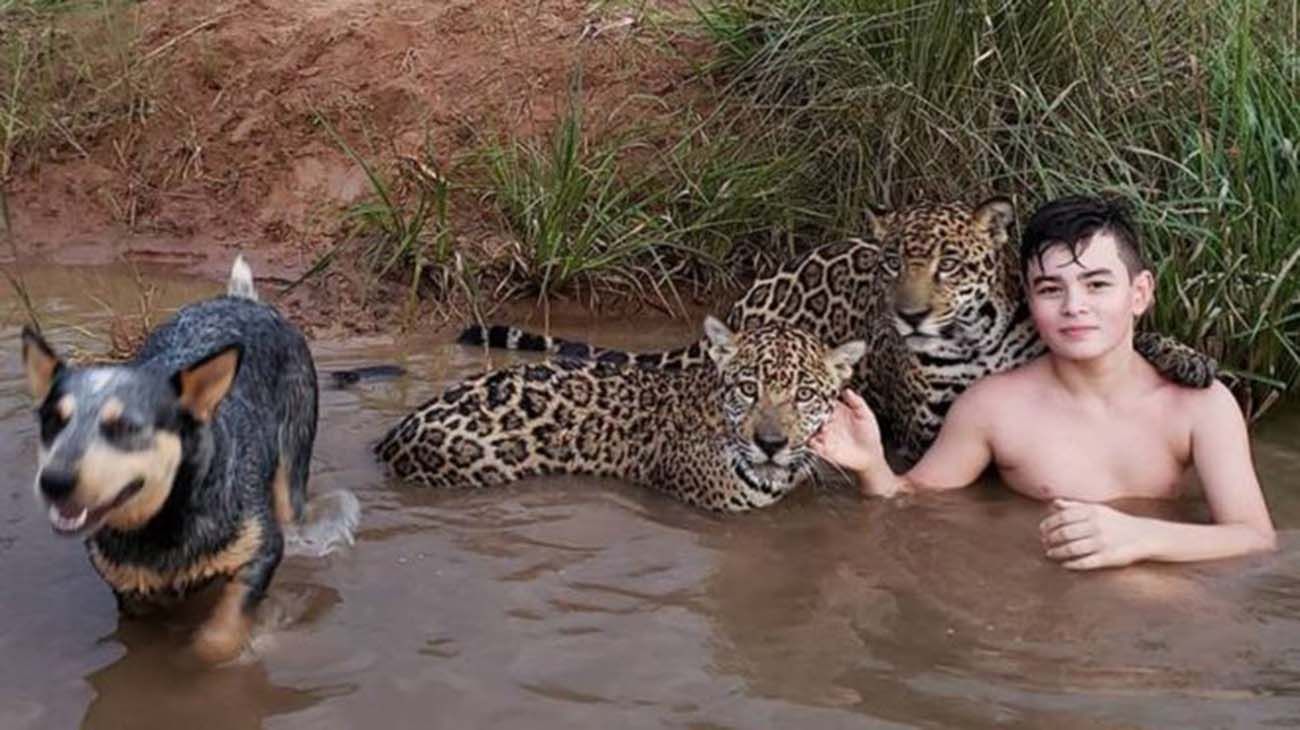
(578, 222)
(68, 69)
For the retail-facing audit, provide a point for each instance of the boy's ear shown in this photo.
(40, 362)
(1144, 292)
(202, 385)
(721, 345)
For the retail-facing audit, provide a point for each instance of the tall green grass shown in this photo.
(1191, 111)
(581, 221)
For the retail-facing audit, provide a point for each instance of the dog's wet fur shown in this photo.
(187, 464)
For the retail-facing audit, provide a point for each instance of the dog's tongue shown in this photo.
(67, 518)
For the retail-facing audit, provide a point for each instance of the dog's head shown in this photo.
(112, 436)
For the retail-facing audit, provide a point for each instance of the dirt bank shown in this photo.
(226, 149)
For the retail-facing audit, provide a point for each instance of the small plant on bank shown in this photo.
(574, 217)
(67, 71)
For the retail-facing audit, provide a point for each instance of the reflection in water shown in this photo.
(231, 697)
(577, 602)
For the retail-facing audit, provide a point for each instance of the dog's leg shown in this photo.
(281, 501)
(226, 631)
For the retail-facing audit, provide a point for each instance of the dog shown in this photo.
(187, 464)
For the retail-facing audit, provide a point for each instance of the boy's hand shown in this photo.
(1083, 536)
(850, 438)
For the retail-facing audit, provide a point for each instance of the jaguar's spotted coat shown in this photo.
(728, 437)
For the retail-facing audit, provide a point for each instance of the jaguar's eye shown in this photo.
(805, 394)
(948, 264)
(893, 262)
(749, 389)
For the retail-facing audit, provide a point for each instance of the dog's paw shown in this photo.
(218, 644)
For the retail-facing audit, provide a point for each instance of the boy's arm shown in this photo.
(1086, 536)
(851, 440)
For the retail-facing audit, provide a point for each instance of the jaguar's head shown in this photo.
(780, 385)
(953, 270)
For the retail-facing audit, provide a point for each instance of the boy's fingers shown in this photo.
(1071, 531)
(854, 401)
(1074, 549)
(1057, 520)
(1087, 562)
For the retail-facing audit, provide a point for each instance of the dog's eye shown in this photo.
(120, 428)
(51, 423)
(749, 389)
(805, 394)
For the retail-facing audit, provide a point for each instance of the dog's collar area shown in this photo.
(69, 519)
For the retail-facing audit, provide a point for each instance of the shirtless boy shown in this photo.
(1088, 422)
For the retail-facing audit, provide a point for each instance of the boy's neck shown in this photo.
(1105, 378)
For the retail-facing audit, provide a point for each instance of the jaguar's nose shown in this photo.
(914, 317)
(770, 444)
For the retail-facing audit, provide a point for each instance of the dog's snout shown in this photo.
(57, 485)
(770, 443)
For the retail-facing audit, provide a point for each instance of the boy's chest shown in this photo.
(1063, 455)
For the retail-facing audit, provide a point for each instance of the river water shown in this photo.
(574, 602)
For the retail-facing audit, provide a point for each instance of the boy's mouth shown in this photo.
(70, 519)
(1078, 331)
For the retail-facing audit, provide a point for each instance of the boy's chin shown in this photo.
(1082, 351)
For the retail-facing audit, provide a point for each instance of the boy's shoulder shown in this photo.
(1026, 381)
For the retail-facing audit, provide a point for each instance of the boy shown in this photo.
(1088, 422)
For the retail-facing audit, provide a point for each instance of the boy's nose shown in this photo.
(1073, 304)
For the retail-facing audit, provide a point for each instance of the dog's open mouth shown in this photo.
(71, 519)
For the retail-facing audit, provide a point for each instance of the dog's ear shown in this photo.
(202, 385)
(40, 362)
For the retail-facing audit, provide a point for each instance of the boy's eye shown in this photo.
(1098, 284)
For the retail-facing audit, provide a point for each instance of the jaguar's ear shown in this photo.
(722, 345)
(878, 221)
(995, 216)
(842, 359)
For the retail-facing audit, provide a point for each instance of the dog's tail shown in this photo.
(241, 280)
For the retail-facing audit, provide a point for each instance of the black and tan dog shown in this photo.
(186, 464)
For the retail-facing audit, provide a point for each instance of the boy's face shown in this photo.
(1085, 307)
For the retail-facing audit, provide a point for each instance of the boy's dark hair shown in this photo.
(1072, 221)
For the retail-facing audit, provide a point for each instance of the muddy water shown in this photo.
(579, 603)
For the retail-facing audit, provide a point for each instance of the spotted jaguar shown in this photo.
(728, 437)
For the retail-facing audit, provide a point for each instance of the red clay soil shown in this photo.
(231, 155)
